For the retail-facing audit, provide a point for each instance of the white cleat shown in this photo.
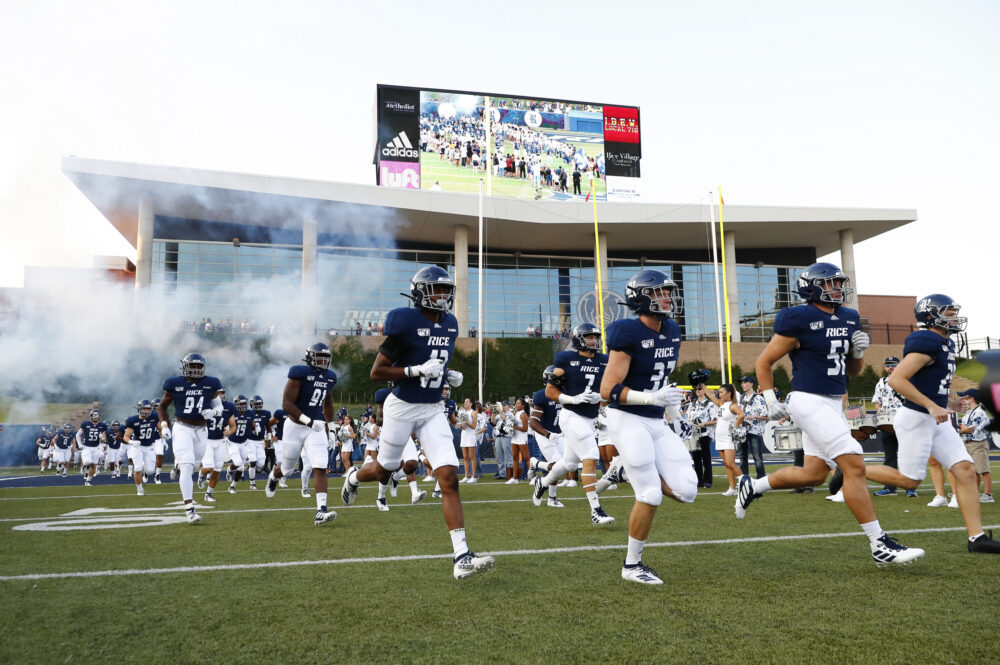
(555, 503)
(140, 490)
(470, 564)
(209, 498)
(419, 496)
(201, 481)
(349, 492)
(175, 472)
(193, 517)
(601, 518)
(324, 516)
(641, 573)
(305, 494)
(886, 551)
(744, 496)
(382, 506)
(938, 502)
(836, 498)
(282, 484)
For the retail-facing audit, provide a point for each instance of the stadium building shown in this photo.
(202, 237)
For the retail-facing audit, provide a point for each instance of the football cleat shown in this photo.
(985, 544)
(145, 478)
(232, 488)
(469, 564)
(885, 492)
(175, 471)
(612, 477)
(641, 573)
(140, 490)
(555, 503)
(382, 506)
(744, 496)
(601, 518)
(86, 483)
(270, 487)
(324, 516)
(193, 517)
(349, 492)
(419, 496)
(887, 551)
(201, 480)
(156, 479)
(253, 484)
(305, 493)
(530, 475)
(282, 484)
(436, 494)
(209, 498)
(393, 486)
(538, 491)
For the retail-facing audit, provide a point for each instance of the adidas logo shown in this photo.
(400, 146)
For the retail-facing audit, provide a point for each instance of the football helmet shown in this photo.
(257, 403)
(319, 356)
(116, 426)
(67, 429)
(581, 333)
(95, 416)
(445, 390)
(646, 291)
(144, 407)
(193, 366)
(429, 282)
(155, 402)
(221, 394)
(547, 375)
(819, 283)
(341, 412)
(241, 403)
(930, 313)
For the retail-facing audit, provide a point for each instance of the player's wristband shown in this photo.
(305, 420)
(638, 398)
(769, 396)
(409, 372)
(616, 393)
(566, 399)
(164, 423)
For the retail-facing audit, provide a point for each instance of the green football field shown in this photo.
(464, 179)
(255, 582)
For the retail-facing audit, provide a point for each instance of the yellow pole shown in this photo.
(725, 290)
(597, 255)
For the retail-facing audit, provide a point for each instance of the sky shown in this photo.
(857, 104)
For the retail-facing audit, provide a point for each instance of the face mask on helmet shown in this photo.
(95, 416)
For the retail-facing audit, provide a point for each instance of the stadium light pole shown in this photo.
(488, 128)
(479, 315)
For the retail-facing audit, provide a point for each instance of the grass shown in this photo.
(792, 601)
(463, 179)
(971, 369)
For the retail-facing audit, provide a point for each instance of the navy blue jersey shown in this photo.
(381, 394)
(314, 384)
(419, 340)
(279, 429)
(144, 430)
(259, 418)
(63, 441)
(550, 411)
(581, 373)
(115, 440)
(190, 399)
(654, 356)
(92, 432)
(244, 423)
(449, 409)
(933, 380)
(819, 364)
(217, 425)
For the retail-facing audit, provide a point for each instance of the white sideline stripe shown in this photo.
(424, 557)
(3, 480)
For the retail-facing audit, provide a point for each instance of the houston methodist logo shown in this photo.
(402, 175)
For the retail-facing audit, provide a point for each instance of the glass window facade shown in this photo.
(263, 283)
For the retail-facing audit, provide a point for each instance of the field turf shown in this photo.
(256, 582)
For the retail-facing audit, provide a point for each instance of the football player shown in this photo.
(140, 432)
(826, 345)
(309, 404)
(236, 433)
(923, 425)
(93, 433)
(216, 448)
(257, 437)
(195, 399)
(277, 427)
(544, 422)
(113, 452)
(159, 448)
(411, 461)
(636, 384)
(44, 443)
(419, 343)
(571, 383)
(63, 442)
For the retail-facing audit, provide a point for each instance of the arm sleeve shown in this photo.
(392, 348)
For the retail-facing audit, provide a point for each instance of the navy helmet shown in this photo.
(193, 366)
(547, 374)
(580, 335)
(645, 292)
(930, 313)
(241, 403)
(116, 426)
(824, 283)
(319, 356)
(381, 394)
(257, 403)
(144, 405)
(430, 282)
(95, 416)
(221, 393)
(67, 428)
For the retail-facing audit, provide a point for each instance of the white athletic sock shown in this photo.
(307, 473)
(976, 537)
(320, 500)
(458, 541)
(557, 471)
(413, 488)
(131, 469)
(398, 475)
(253, 473)
(158, 469)
(437, 486)
(552, 491)
(381, 490)
(593, 500)
(872, 530)
(186, 481)
(761, 485)
(634, 554)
